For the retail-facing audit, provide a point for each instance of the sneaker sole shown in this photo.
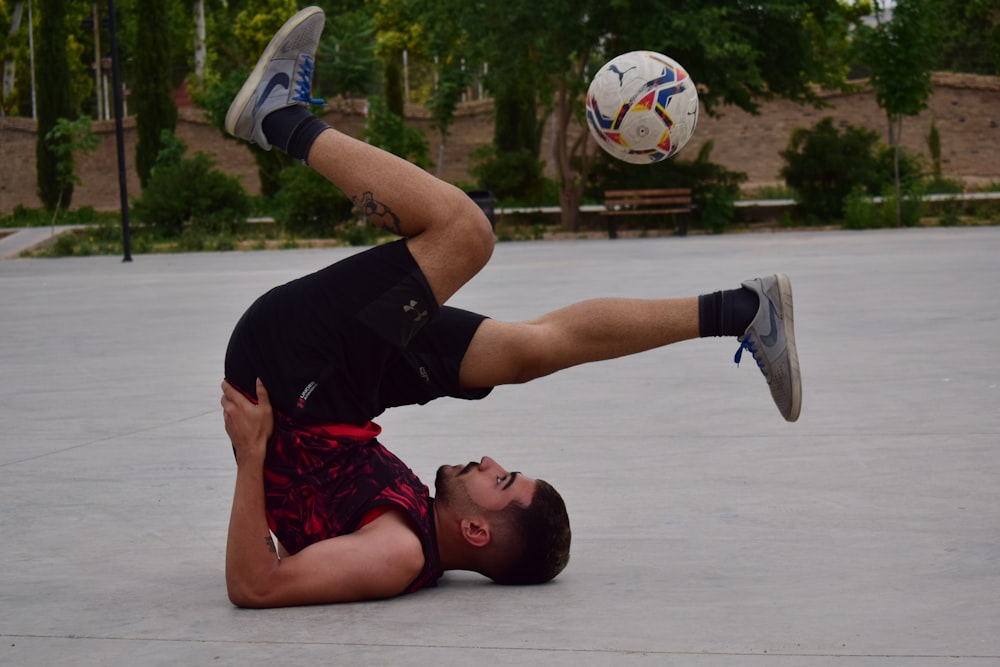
(250, 86)
(788, 321)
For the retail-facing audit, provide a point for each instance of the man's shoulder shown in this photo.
(398, 539)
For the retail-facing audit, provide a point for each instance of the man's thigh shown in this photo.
(430, 366)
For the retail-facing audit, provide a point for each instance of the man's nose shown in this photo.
(489, 464)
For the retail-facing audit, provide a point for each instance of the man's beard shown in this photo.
(441, 492)
(448, 488)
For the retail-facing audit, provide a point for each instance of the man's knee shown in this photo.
(480, 238)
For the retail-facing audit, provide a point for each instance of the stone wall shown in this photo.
(966, 109)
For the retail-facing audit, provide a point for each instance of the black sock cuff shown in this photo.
(303, 137)
(293, 130)
(726, 313)
(709, 307)
(279, 125)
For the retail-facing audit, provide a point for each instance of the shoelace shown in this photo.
(746, 343)
(303, 82)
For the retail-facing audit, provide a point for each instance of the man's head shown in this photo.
(512, 528)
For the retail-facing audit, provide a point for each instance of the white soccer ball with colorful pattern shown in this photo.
(642, 107)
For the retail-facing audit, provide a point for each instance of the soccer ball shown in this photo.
(642, 107)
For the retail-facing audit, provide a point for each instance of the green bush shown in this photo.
(911, 208)
(910, 169)
(514, 176)
(308, 205)
(103, 238)
(190, 191)
(358, 233)
(25, 217)
(824, 165)
(951, 214)
(860, 212)
(718, 210)
(67, 245)
(938, 185)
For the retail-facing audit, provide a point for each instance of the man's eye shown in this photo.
(500, 479)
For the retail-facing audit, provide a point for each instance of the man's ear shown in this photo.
(476, 532)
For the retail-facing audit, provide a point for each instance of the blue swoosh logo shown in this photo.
(279, 79)
(771, 338)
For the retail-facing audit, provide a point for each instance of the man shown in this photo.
(312, 362)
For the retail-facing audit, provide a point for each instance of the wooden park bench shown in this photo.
(657, 201)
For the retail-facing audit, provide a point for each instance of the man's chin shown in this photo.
(441, 483)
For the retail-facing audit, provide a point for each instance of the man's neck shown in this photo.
(448, 550)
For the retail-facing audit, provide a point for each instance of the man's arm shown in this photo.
(378, 561)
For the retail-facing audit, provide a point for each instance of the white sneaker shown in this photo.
(282, 77)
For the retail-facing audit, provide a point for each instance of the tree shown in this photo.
(152, 85)
(66, 139)
(347, 49)
(7, 57)
(200, 51)
(541, 57)
(4, 25)
(452, 79)
(970, 40)
(398, 31)
(899, 54)
(55, 99)
(252, 27)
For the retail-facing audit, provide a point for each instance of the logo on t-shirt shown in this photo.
(306, 393)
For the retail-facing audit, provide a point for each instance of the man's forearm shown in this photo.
(250, 551)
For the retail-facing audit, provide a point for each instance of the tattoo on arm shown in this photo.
(270, 544)
(377, 213)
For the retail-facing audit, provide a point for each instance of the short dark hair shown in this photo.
(537, 536)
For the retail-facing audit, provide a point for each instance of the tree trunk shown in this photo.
(199, 41)
(573, 157)
(569, 208)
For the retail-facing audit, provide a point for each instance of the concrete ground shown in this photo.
(707, 531)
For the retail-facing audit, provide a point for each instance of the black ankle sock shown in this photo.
(293, 130)
(726, 313)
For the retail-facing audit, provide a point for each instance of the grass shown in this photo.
(105, 238)
(85, 215)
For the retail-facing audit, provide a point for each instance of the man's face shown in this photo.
(485, 485)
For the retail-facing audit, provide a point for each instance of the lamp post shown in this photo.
(119, 135)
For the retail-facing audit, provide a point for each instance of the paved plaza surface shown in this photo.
(707, 531)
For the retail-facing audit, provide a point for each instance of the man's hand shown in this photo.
(249, 426)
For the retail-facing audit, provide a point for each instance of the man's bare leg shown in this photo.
(595, 330)
(759, 314)
(446, 231)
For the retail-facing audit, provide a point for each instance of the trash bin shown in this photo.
(487, 204)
